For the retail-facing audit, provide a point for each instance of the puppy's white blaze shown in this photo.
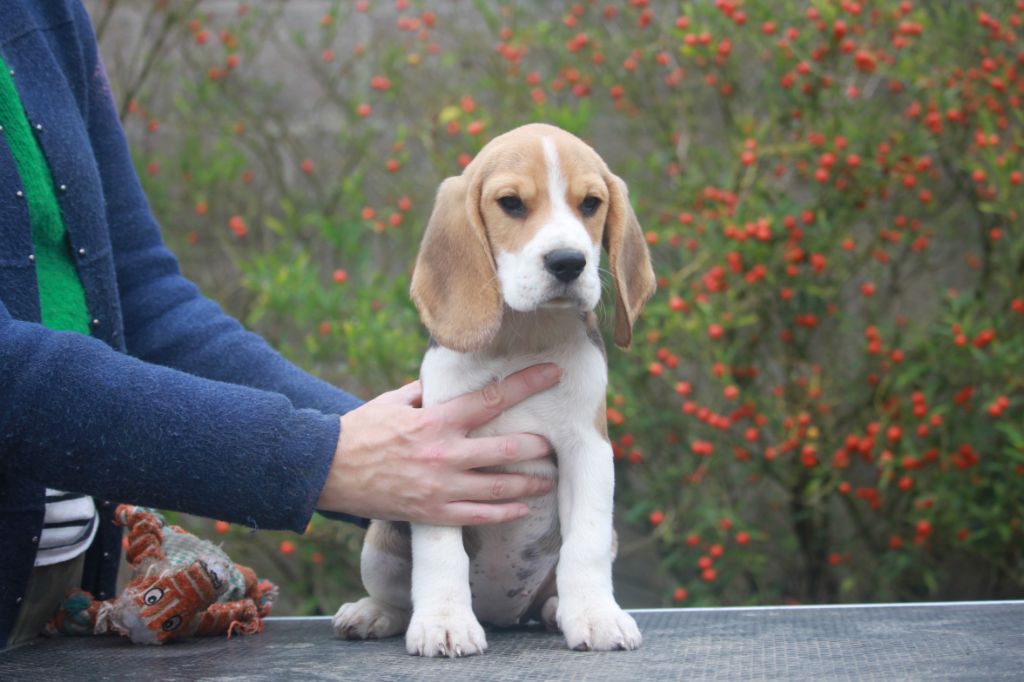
(525, 283)
(556, 180)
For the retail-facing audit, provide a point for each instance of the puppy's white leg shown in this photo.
(386, 567)
(442, 622)
(586, 610)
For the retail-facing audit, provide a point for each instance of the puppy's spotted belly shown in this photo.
(512, 565)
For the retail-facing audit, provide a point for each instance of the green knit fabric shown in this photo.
(61, 297)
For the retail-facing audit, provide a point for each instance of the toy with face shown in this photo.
(183, 586)
(154, 609)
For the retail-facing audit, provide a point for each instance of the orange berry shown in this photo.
(237, 225)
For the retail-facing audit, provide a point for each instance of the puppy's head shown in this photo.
(523, 226)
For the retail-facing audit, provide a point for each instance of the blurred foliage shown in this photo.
(824, 399)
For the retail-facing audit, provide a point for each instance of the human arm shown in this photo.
(79, 416)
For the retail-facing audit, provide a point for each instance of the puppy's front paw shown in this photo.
(601, 626)
(445, 632)
(369, 618)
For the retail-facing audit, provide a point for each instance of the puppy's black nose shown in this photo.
(565, 264)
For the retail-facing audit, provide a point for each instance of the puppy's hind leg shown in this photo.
(386, 568)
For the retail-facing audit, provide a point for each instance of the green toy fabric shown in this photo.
(60, 291)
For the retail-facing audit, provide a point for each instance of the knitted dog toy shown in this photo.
(182, 586)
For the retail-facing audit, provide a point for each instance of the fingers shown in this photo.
(473, 409)
(475, 453)
(477, 514)
(481, 487)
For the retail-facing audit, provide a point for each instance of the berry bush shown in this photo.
(823, 402)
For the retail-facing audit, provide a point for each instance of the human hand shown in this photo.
(397, 460)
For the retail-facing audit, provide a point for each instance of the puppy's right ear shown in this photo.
(455, 281)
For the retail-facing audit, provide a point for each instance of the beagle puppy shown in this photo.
(507, 277)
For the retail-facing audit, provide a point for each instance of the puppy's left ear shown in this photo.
(628, 259)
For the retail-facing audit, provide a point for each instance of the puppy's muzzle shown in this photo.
(565, 264)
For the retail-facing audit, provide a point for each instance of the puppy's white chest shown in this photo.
(570, 406)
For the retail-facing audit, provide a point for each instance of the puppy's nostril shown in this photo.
(565, 264)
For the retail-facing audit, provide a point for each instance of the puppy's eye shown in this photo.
(589, 206)
(513, 206)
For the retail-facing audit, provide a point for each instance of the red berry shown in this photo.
(237, 225)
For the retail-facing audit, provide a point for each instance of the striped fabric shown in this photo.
(68, 527)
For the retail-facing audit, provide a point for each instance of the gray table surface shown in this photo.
(977, 640)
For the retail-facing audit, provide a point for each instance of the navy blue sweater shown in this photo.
(170, 403)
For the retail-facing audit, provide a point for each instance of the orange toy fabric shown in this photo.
(183, 586)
